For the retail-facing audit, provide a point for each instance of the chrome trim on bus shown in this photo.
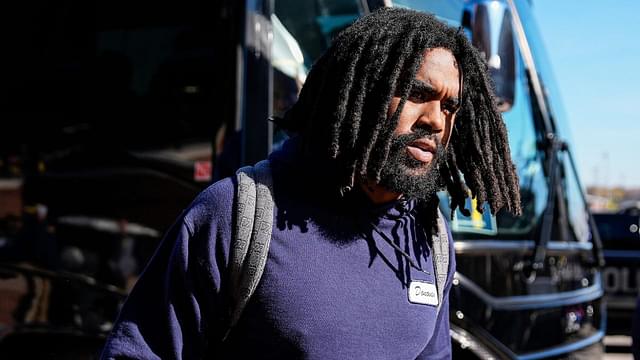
(467, 339)
(538, 301)
(523, 246)
(62, 276)
(563, 349)
(470, 341)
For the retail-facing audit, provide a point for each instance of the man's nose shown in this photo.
(431, 118)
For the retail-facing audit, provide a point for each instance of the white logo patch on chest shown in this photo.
(421, 292)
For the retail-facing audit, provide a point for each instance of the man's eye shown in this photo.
(449, 108)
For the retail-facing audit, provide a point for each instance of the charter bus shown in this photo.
(116, 114)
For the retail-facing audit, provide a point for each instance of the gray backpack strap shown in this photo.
(441, 257)
(252, 235)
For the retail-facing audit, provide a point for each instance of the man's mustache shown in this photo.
(403, 140)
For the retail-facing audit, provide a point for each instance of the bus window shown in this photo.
(576, 209)
(301, 33)
(314, 25)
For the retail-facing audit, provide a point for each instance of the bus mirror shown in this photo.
(492, 33)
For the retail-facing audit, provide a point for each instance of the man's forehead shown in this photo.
(440, 56)
(439, 73)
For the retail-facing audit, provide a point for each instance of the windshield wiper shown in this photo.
(555, 145)
(556, 194)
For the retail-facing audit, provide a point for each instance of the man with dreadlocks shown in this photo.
(398, 108)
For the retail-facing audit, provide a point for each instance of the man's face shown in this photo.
(424, 126)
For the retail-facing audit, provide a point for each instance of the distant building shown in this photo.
(604, 199)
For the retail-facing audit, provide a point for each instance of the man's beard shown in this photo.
(403, 174)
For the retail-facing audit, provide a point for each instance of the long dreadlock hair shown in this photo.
(342, 111)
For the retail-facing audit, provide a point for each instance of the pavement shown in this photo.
(616, 356)
(617, 347)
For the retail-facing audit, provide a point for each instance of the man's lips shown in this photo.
(422, 150)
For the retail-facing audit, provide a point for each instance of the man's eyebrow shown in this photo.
(426, 88)
(422, 87)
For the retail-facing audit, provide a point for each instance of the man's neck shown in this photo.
(378, 194)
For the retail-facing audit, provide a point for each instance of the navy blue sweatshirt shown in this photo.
(333, 286)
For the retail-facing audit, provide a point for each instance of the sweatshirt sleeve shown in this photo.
(178, 302)
(439, 346)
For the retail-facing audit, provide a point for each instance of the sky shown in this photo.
(594, 51)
